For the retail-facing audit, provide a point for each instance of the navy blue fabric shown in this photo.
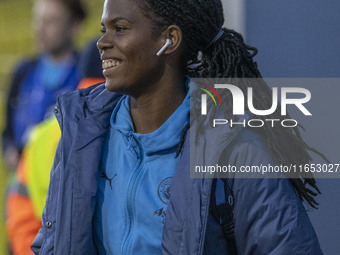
(90, 61)
(269, 217)
(34, 89)
(19, 74)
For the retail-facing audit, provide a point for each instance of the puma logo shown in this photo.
(107, 178)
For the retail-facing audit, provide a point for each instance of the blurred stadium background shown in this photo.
(16, 41)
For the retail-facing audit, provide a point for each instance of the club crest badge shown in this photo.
(164, 196)
(164, 190)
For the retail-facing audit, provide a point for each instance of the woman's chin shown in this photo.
(109, 85)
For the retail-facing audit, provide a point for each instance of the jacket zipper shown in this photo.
(131, 198)
(58, 116)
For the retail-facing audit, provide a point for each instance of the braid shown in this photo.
(229, 57)
(232, 58)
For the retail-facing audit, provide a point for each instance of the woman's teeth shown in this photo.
(110, 63)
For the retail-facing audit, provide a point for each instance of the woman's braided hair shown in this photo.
(229, 57)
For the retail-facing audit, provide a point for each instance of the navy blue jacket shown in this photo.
(269, 218)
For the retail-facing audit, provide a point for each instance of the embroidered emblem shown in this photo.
(164, 190)
(107, 178)
(164, 196)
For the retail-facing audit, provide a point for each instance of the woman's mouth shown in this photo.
(110, 63)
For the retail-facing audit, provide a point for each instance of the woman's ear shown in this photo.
(171, 40)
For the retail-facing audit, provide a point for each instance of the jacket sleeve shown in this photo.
(36, 246)
(269, 217)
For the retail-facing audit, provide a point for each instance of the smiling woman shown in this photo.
(128, 49)
(121, 183)
(128, 40)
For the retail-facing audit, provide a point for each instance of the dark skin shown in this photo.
(130, 43)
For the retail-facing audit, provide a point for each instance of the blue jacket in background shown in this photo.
(30, 98)
(269, 217)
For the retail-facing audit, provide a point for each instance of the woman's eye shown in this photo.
(103, 30)
(120, 29)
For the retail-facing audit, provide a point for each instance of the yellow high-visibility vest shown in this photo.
(39, 154)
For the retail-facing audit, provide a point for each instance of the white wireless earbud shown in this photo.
(166, 45)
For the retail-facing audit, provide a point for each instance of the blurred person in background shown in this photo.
(36, 82)
(26, 199)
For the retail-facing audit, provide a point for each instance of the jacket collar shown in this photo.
(88, 110)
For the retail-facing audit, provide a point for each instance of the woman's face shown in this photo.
(128, 48)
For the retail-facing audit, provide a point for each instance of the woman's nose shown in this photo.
(104, 42)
